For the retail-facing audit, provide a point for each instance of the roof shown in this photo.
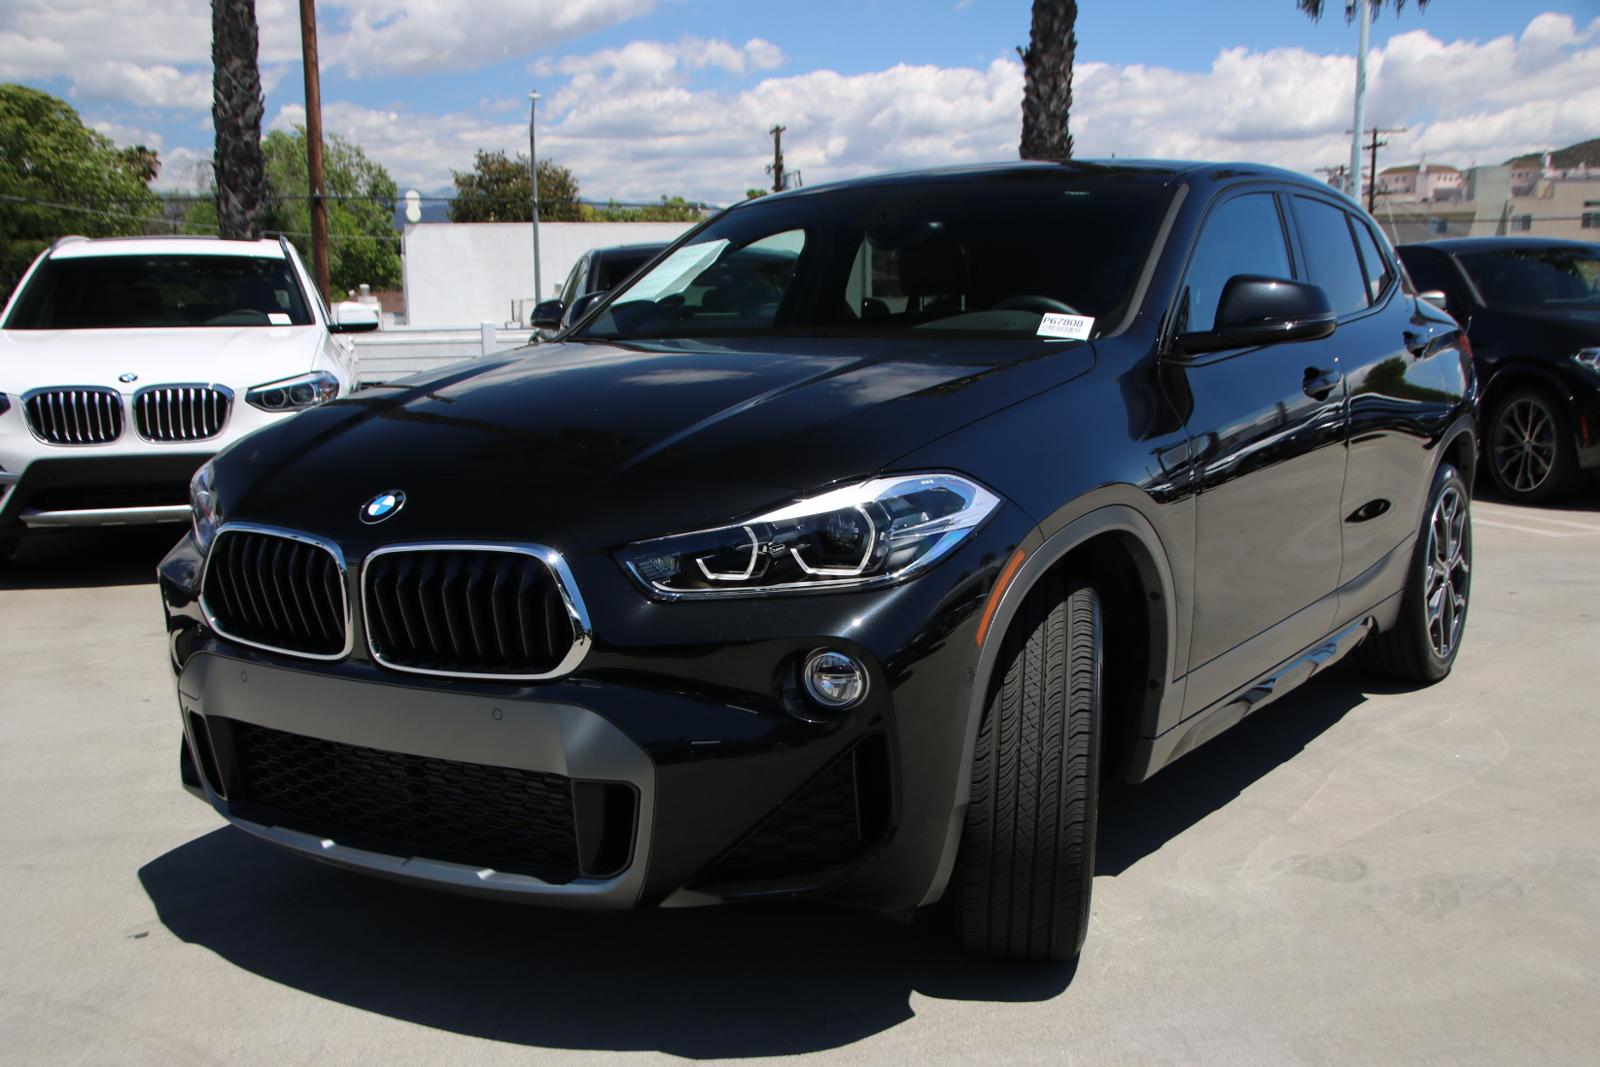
(642, 247)
(183, 245)
(1458, 245)
(1412, 168)
(1153, 171)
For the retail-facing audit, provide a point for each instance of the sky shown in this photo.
(644, 98)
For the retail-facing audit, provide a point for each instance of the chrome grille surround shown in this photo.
(325, 545)
(184, 412)
(565, 584)
(74, 414)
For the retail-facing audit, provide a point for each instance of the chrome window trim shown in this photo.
(323, 543)
(227, 417)
(566, 585)
(27, 419)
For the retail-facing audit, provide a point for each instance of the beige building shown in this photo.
(1526, 196)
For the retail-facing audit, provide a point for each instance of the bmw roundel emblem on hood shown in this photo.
(128, 377)
(382, 506)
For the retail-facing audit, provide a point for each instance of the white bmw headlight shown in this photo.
(295, 394)
(869, 533)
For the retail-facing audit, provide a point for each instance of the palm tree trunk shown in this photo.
(1047, 80)
(236, 109)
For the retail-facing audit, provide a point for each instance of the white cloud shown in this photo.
(415, 36)
(633, 123)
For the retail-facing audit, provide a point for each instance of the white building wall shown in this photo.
(461, 274)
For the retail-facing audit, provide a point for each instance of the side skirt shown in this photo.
(1153, 753)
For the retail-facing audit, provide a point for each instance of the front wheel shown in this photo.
(1027, 849)
(1423, 643)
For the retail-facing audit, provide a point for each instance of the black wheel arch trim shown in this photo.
(1043, 555)
(1516, 372)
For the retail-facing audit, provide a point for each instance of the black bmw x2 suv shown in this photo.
(841, 553)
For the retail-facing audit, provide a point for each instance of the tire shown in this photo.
(1423, 643)
(1529, 449)
(1027, 848)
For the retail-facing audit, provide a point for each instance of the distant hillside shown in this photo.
(1584, 153)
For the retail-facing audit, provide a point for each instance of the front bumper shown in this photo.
(678, 732)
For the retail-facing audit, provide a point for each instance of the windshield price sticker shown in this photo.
(1068, 327)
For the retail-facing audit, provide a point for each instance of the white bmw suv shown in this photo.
(125, 363)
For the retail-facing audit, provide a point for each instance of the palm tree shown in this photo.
(236, 109)
(1313, 8)
(1047, 80)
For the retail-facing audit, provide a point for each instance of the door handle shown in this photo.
(1417, 343)
(1320, 383)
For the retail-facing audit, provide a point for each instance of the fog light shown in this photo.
(834, 680)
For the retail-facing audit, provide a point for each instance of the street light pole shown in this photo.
(533, 182)
(1365, 20)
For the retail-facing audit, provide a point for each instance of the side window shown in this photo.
(1379, 272)
(569, 291)
(1331, 260)
(1243, 236)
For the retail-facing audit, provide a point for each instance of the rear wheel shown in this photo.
(1531, 455)
(1422, 644)
(1027, 849)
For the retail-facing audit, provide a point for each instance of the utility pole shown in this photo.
(533, 183)
(777, 158)
(1372, 153)
(319, 209)
(1364, 17)
(1338, 175)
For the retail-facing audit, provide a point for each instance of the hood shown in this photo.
(236, 356)
(682, 434)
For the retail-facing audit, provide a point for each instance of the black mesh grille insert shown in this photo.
(180, 412)
(416, 806)
(75, 416)
(466, 611)
(830, 822)
(276, 591)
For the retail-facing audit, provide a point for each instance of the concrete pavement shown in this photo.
(1355, 874)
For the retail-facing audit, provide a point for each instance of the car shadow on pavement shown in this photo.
(83, 559)
(1136, 820)
(721, 982)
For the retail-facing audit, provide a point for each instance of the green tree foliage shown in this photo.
(667, 209)
(58, 177)
(496, 190)
(754, 194)
(362, 244)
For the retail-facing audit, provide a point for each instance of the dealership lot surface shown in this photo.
(1354, 874)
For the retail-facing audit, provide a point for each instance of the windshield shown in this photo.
(614, 267)
(1535, 277)
(126, 292)
(1046, 254)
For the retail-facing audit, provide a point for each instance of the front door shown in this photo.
(1267, 430)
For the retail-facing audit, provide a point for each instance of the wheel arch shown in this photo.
(1518, 372)
(1117, 551)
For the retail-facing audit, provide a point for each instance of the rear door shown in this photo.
(1399, 403)
(1267, 426)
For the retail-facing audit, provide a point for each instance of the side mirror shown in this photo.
(1436, 297)
(547, 315)
(1255, 310)
(354, 318)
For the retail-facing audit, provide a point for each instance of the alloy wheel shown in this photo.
(1449, 571)
(1524, 445)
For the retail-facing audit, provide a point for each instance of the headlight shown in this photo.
(870, 533)
(1588, 358)
(294, 394)
(207, 509)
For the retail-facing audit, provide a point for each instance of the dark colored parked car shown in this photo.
(599, 270)
(1531, 307)
(841, 552)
